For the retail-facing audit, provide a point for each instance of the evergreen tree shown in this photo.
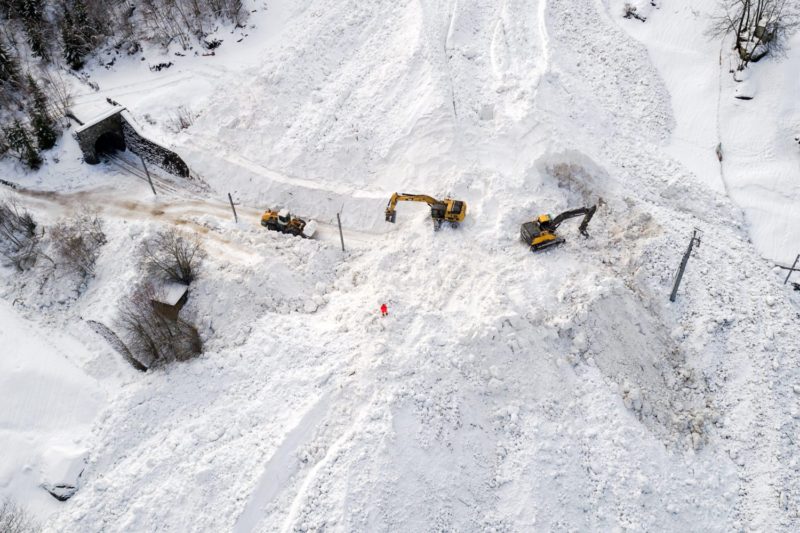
(41, 121)
(72, 45)
(20, 142)
(32, 14)
(76, 32)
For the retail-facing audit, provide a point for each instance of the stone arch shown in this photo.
(109, 142)
(104, 132)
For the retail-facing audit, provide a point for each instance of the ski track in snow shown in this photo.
(506, 391)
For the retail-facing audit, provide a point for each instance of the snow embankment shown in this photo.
(49, 407)
(757, 137)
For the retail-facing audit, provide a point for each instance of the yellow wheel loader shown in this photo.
(447, 210)
(540, 234)
(284, 222)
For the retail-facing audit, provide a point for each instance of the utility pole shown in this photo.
(695, 240)
(341, 235)
(233, 208)
(792, 269)
(149, 179)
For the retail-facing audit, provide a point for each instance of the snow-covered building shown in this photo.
(113, 130)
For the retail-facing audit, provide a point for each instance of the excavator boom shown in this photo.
(588, 213)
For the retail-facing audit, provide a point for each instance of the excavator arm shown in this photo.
(391, 213)
(588, 213)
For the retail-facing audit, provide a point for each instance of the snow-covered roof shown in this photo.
(99, 118)
(170, 292)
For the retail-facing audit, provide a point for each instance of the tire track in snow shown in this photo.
(281, 467)
(176, 209)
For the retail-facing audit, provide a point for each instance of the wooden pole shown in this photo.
(235, 216)
(341, 235)
(149, 179)
(683, 266)
(791, 269)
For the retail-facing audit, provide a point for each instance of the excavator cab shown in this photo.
(540, 234)
(284, 217)
(284, 222)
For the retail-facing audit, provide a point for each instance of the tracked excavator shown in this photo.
(284, 222)
(447, 210)
(540, 234)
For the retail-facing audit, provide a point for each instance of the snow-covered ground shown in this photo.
(50, 400)
(505, 391)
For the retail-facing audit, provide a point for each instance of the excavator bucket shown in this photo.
(586, 219)
(391, 216)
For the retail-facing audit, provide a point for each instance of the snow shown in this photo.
(49, 406)
(505, 390)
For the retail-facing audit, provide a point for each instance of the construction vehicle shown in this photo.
(540, 234)
(447, 210)
(284, 222)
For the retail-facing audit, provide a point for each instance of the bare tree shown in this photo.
(153, 338)
(19, 243)
(15, 519)
(182, 21)
(59, 95)
(175, 253)
(77, 242)
(758, 26)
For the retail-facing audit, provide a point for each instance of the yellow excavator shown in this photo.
(540, 234)
(447, 210)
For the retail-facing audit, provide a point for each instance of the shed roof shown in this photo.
(170, 292)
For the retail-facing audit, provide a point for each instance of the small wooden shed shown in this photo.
(169, 298)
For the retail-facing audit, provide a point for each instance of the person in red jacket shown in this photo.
(384, 310)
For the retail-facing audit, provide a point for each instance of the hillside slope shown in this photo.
(505, 391)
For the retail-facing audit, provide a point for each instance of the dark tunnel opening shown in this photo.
(109, 143)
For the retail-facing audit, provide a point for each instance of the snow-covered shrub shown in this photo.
(759, 26)
(630, 12)
(19, 244)
(181, 119)
(174, 253)
(14, 519)
(77, 242)
(153, 338)
(183, 21)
